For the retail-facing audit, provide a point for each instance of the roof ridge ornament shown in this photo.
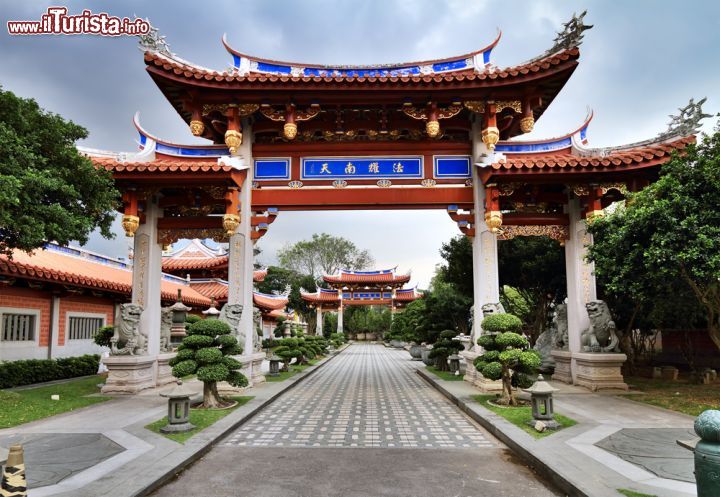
(687, 122)
(572, 34)
(154, 42)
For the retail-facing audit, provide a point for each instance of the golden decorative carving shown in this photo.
(507, 189)
(384, 183)
(428, 183)
(593, 215)
(295, 184)
(553, 231)
(197, 128)
(490, 137)
(477, 106)
(606, 187)
(581, 190)
(173, 235)
(527, 124)
(186, 210)
(515, 105)
(230, 224)
(449, 111)
(244, 110)
(130, 224)
(494, 220)
(415, 113)
(432, 128)
(468, 182)
(290, 131)
(233, 140)
(340, 183)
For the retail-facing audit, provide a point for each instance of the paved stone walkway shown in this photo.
(369, 397)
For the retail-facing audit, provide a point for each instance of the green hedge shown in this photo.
(28, 372)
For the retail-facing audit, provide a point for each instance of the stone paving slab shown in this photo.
(371, 397)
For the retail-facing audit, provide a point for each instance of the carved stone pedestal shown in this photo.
(469, 357)
(129, 374)
(164, 371)
(256, 359)
(599, 371)
(488, 386)
(563, 365)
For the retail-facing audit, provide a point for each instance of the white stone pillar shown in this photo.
(340, 319)
(319, 321)
(147, 276)
(580, 278)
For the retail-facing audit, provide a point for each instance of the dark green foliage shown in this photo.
(664, 245)
(277, 279)
(443, 348)
(337, 339)
(192, 318)
(371, 319)
(323, 254)
(458, 268)
(406, 325)
(103, 335)
(206, 351)
(507, 355)
(48, 190)
(27, 372)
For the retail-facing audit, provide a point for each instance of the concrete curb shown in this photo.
(209, 444)
(529, 455)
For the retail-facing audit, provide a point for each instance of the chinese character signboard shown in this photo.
(392, 167)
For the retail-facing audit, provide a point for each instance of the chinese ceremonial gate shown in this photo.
(437, 134)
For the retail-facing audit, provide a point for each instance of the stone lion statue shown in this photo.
(127, 339)
(166, 321)
(492, 308)
(231, 313)
(601, 335)
(257, 326)
(560, 325)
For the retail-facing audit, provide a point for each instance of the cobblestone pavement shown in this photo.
(370, 396)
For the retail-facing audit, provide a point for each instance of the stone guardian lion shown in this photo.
(127, 339)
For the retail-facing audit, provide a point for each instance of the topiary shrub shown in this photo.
(443, 348)
(192, 319)
(103, 335)
(206, 351)
(27, 372)
(337, 339)
(507, 355)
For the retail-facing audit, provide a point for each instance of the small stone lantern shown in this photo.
(178, 409)
(542, 402)
(213, 312)
(274, 365)
(454, 362)
(180, 311)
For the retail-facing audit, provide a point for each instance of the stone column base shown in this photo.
(563, 366)
(471, 374)
(256, 359)
(488, 386)
(599, 371)
(129, 374)
(164, 371)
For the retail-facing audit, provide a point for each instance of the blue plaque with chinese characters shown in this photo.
(348, 168)
(451, 166)
(272, 168)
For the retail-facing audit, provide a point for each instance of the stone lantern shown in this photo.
(454, 362)
(180, 311)
(274, 365)
(212, 312)
(542, 402)
(178, 409)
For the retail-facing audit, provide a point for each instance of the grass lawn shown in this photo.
(680, 395)
(632, 493)
(444, 375)
(521, 416)
(201, 418)
(31, 404)
(293, 370)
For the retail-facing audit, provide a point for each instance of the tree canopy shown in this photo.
(323, 254)
(666, 239)
(48, 190)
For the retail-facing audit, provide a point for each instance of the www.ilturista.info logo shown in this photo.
(56, 21)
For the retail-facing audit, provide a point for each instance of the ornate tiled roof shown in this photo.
(370, 277)
(218, 289)
(80, 268)
(115, 165)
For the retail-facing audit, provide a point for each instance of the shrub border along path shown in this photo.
(520, 416)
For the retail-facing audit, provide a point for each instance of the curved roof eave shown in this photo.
(564, 142)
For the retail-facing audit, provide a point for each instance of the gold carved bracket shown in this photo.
(553, 231)
(244, 110)
(169, 236)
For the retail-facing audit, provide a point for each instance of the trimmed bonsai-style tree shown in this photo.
(206, 351)
(507, 355)
(288, 349)
(444, 347)
(103, 335)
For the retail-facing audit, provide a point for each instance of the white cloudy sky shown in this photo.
(642, 60)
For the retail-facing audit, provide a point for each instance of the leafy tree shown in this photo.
(507, 355)
(406, 325)
(330, 324)
(445, 309)
(458, 268)
(207, 351)
(323, 254)
(444, 347)
(361, 319)
(278, 278)
(48, 191)
(535, 268)
(669, 231)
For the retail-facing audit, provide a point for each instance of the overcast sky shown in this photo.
(641, 61)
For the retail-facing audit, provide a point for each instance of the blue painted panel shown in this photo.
(181, 151)
(486, 56)
(236, 61)
(583, 133)
(533, 147)
(320, 168)
(266, 169)
(143, 139)
(451, 166)
(452, 65)
(273, 68)
(361, 72)
(379, 271)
